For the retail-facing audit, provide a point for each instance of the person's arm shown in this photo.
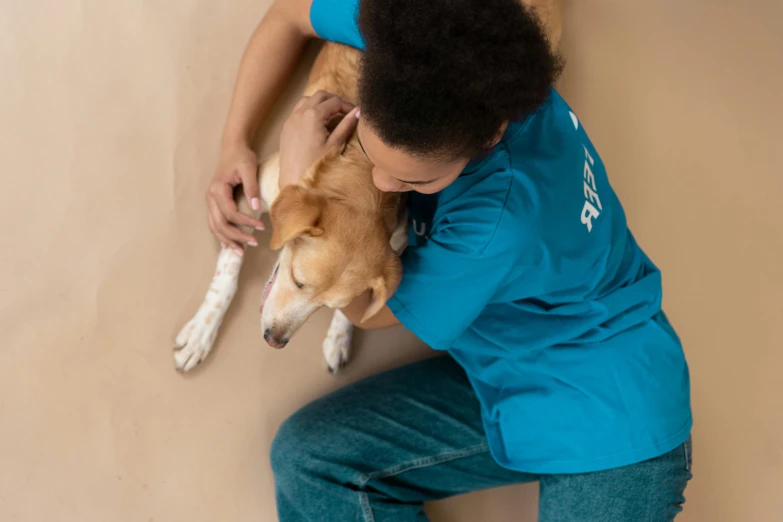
(268, 62)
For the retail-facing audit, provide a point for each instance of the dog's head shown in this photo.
(331, 252)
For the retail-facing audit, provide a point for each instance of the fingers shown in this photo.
(218, 225)
(223, 196)
(224, 241)
(233, 234)
(223, 216)
(332, 107)
(345, 128)
(316, 98)
(325, 105)
(249, 177)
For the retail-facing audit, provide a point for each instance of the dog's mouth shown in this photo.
(268, 288)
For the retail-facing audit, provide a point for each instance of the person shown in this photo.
(558, 364)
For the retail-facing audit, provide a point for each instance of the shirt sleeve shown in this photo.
(446, 285)
(336, 21)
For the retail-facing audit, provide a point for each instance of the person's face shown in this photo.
(396, 171)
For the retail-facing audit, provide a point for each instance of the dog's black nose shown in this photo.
(272, 341)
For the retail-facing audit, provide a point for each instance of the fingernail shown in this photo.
(260, 227)
(252, 243)
(255, 203)
(358, 111)
(239, 251)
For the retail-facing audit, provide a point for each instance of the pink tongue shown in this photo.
(267, 289)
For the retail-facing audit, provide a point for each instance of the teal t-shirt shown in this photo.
(525, 271)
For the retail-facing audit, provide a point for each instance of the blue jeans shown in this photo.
(376, 450)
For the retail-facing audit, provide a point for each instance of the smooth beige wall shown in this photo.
(110, 116)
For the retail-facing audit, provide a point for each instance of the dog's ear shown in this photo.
(295, 212)
(384, 286)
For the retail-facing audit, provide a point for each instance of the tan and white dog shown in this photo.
(336, 236)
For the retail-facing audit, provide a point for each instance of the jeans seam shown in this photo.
(421, 462)
(366, 508)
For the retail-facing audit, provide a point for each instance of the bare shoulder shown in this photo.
(296, 12)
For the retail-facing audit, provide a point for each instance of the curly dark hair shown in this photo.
(439, 77)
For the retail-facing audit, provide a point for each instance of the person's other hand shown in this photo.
(305, 136)
(238, 165)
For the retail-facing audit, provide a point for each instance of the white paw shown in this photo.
(195, 341)
(337, 350)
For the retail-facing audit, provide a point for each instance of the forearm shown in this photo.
(268, 62)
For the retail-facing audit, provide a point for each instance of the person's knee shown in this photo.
(284, 454)
(299, 445)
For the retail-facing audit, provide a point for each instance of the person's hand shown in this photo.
(238, 165)
(305, 136)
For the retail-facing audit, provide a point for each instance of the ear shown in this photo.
(295, 212)
(384, 286)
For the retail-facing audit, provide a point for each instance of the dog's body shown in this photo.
(338, 233)
(334, 230)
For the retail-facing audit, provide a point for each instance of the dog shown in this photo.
(338, 236)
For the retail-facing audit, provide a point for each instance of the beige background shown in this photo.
(110, 116)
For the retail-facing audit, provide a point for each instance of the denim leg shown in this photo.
(375, 450)
(651, 491)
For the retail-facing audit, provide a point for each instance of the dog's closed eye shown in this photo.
(297, 283)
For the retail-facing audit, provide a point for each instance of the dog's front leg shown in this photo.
(195, 340)
(337, 343)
